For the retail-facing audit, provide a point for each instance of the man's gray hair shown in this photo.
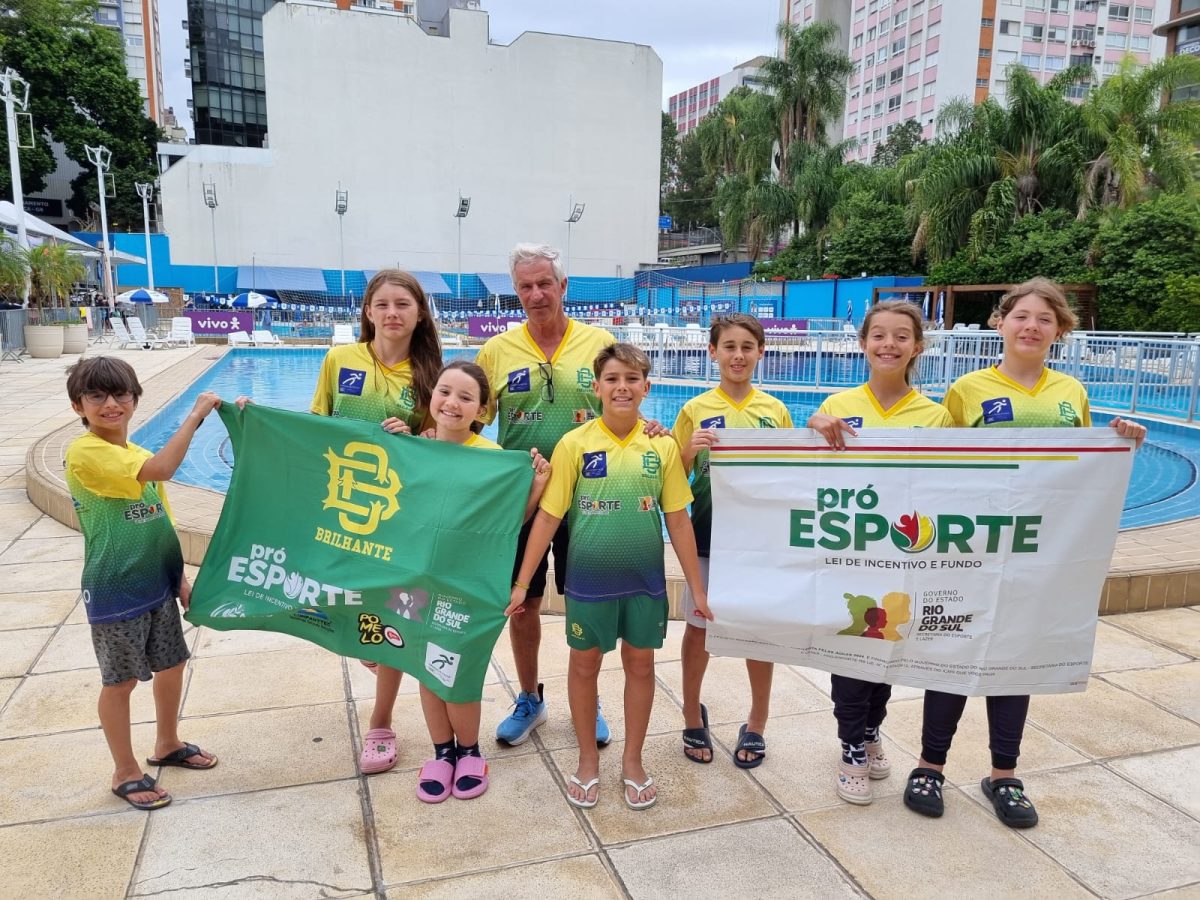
(528, 253)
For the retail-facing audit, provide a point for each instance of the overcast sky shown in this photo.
(696, 39)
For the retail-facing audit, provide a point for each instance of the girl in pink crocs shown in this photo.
(458, 768)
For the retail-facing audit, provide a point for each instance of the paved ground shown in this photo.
(285, 814)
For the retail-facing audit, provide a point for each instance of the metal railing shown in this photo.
(1132, 373)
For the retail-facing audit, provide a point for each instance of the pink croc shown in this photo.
(471, 767)
(440, 771)
(378, 752)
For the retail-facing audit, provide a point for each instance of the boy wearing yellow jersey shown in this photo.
(737, 343)
(610, 480)
(892, 338)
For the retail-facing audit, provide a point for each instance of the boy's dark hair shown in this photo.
(481, 379)
(101, 373)
(626, 354)
(742, 320)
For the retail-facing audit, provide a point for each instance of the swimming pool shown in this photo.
(1165, 484)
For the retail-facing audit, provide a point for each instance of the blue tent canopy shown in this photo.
(431, 282)
(498, 284)
(279, 278)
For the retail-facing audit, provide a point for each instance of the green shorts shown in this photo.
(639, 621)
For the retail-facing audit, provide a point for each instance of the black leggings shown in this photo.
(857, 706)
(1006, 724)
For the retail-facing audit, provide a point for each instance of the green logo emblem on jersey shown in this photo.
(1066, 412)
(766, 422)
(584, 377)
(651, 462)
(406, 398)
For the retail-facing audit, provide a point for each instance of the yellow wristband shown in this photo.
(523, 587)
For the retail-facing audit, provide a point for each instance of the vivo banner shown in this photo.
(965, 560)
(784, 326)
(486, 326)
(219, 321)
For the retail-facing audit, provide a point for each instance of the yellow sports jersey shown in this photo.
(716, 409)
(478, 440)
(988, 398)
(610, 492)
(354, 384)
(541, 399)
(859, 408)
(132, 561)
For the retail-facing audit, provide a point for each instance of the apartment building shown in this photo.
(136, 21)
(912, 56)
(688, 107)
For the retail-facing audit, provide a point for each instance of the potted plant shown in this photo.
(53, 270)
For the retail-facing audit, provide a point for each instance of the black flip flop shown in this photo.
(180, 758)
(699, 739)
(136, 787)
(751, 742)
(1008, 798)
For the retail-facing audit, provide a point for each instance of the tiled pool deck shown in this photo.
(1113, 770)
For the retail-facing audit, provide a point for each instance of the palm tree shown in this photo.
(14, 266)
(1008, 162)
(1139, 140)
(53, 271)
(808, 84)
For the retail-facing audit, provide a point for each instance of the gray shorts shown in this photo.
(135, 648)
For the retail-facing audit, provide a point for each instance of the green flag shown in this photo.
(386, 547)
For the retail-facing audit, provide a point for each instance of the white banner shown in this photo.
(969, 561)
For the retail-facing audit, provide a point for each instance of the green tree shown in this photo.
(53, 271)
(1180, 311)
(1137, 251)
(1052, 243)
(14, 266)
(668, 155)
(690, 200)
(808, 83)
(901, 142)
(80, 93)
(1138, 140)
(874, 238)
(1009, 162)
(796, 262)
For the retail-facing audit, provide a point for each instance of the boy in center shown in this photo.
(610, 481)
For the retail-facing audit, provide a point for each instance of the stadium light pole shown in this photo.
(101, 157)
(146, 192)
(210, 200)
(575, 216)
(341, 203)
(16, 93)
(464, 207)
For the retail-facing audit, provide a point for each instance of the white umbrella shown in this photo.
(251, 300)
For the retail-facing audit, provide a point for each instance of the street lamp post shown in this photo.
(101, 157)
(210, 200)
(464, 207)
(146, 192)
(16, 93)
(575, 216)
(341, 202)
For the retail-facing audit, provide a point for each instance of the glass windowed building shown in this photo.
(229, 98)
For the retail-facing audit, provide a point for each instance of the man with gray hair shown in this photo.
(541, 378)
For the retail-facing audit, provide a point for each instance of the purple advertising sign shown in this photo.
(486, 326)
(784, 326)
(219, 321)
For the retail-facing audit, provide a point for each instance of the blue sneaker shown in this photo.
(603, 736)
(528, 713)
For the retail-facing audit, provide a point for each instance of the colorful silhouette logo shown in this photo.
(877, 621)
(913, 533)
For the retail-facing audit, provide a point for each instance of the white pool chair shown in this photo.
(239, 339)
(265, 338)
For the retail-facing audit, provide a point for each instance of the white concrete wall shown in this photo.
(405, 120)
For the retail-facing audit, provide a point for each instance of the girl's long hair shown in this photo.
(425, 349)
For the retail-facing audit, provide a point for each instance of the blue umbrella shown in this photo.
(251, 300)
(941, 308)
(141, 295)
(849, 310)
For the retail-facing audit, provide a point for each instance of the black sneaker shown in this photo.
(1008, 798)
(924, 792)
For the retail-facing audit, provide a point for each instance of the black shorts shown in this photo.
(537, 584)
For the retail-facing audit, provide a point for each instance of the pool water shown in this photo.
(1164, 486)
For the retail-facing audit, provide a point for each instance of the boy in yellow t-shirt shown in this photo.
(737, 343)
(132, 568)
(610, 480)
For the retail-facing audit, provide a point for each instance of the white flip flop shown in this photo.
(638, 788)
(584, 803)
